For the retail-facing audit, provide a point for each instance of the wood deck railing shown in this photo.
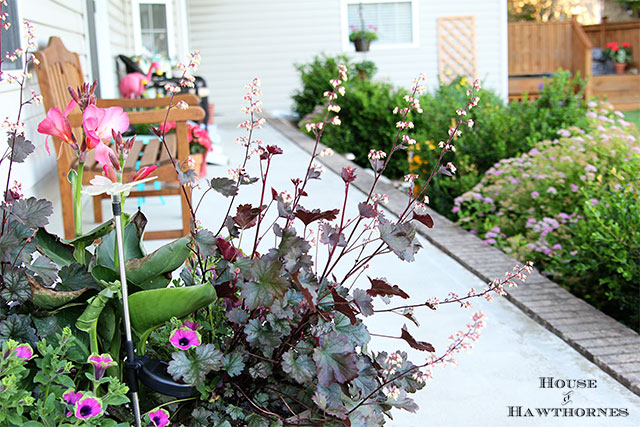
(606, 32)
(540, 48)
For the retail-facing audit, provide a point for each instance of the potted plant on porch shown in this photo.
(362, 37)
(199, 145)
(620, 54)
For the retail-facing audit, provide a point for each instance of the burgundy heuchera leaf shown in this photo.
(342, 305)
(246, 216)
(424, 219)
(307, 217)
(381, 287)
(418, 345)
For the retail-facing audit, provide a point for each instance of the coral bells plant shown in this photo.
(285, 341)
(258, 333)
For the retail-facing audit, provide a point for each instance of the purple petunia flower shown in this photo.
(71, 397)
(535, 195)
(185, 338)
(574, 188)
(190, 325)
(159, 417)
(23, 351)
(88, 407)
(100, 364)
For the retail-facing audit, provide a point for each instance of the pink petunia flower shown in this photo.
(100, 364)
(88, 407)
(56, 124)
(190, 325)
(23, 351)
(159, 417)
(185, 338)
(71, 397)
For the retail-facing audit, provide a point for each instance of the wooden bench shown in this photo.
(59, 69)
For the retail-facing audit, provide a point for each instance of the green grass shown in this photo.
(633, 116)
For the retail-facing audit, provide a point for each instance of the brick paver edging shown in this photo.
(601, 339)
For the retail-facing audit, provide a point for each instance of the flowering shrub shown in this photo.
(264, 335)
(56, 377)
(500, 131)
(535, 205)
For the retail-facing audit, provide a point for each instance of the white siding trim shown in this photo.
(108, 81)
(503, 90)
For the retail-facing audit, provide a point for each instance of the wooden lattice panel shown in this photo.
(456, 48)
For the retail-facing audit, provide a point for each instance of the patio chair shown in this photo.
(59, 69)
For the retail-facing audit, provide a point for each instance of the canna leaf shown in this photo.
(150, 309)
(166, 259)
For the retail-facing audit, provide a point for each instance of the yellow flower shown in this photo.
(599, 177)
(463, 81)
(614, 171)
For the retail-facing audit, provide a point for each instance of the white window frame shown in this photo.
(20, 26)
(137, 30)
(347, 46)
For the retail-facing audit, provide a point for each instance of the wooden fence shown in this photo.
(537, 48)
(621, 32)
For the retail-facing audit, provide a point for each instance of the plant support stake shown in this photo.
(132, 380)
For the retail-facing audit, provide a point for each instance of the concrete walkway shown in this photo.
(503, 369)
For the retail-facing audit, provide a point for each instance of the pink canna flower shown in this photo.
(143, 173)
(99, 124)
(56, 124)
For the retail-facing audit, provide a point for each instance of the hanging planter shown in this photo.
(362, 37)
(362, 45)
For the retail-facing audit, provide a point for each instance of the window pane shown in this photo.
(11, 37)
(153, 25)
(161, 45)
(159, 16)
(145, 16)
(394, 20)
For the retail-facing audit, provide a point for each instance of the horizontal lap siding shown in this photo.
(242, 39)
(62, 18)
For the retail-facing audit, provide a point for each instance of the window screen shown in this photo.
(393, 19)
(11, 37)
(153, 28)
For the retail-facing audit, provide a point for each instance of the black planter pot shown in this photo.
(362, 45)
(153, 374)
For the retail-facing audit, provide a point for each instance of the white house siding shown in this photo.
(63, 18)
(242, 38)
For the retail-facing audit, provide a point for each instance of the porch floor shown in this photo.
(503, 369)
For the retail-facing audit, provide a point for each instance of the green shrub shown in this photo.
(533, 205)
(316, 75)
(499, 132)
(368, 123)
(602, 264)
